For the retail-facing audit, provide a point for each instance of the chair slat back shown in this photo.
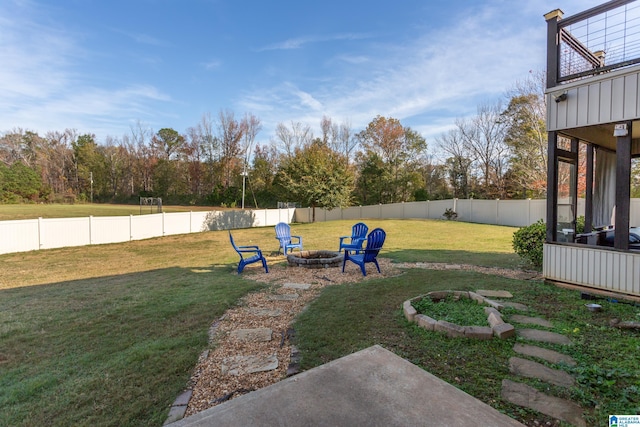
(359, 232)
(375, 240)
(283, 232)
(232, 242)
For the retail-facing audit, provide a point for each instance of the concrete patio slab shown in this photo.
(372, 387)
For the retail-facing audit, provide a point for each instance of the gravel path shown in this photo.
(268, 308)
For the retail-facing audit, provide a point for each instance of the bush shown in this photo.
(528, 242)
(450, 214)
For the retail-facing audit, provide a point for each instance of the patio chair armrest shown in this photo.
(296, 237)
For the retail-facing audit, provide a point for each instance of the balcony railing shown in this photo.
(592, 42)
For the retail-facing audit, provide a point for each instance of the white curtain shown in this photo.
(604, 192)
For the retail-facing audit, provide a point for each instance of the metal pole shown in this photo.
(91, 179)
(244, 178)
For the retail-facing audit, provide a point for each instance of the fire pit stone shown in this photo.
(315, 259)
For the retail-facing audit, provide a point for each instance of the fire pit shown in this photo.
(315, 259)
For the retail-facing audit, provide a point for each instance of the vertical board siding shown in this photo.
(606, 98)
(572, 103)
(631, 97)
(604, 106)
(583, 104)
(617, 94)
(593, 104)
(598, 268)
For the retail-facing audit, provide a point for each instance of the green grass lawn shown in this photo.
(109, 334)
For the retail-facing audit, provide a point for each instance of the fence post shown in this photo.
(130, 227)
(40, 233)
(91, 229)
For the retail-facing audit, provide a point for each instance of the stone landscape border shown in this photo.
(497, 327)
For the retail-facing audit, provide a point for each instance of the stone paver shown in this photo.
(476, 297)
(252, 335)
(530, 369)
(183, 399)
(300, 286)
(504, 330)
(515, 305)
(523, 395)
(239, 365)
(543, 353)
(478, 332)
(530, 320)
(175, 413)
(489, 310)
(179, 407)
(498, 305)
(284, 297)
(494, 319)
(264, 312)
(451, 329)
(494, 294)
(425, 322)
(409, 311)
(544, 336)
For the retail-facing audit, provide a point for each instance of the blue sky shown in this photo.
(103, 66)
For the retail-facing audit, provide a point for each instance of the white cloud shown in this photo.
(43, 91)
(446, 72)
(214, 64)
(298, 42)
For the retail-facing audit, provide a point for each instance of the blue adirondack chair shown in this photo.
(375, 240)
(247, 251)
(358, 236)
(283, 234)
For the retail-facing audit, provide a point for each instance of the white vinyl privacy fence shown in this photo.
(515, 213)
(34, 234)
(48, 233)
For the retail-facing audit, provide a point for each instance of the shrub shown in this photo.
(450, 214)
(528, 242)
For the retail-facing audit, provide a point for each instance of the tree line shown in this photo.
(498, 153)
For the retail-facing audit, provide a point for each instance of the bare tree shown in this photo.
(339, 137)
(57, 160)
(525, 118)
(252, 127)
(145, 159)
(230, 135)
(20, 145)
(206, 145)
(298, 136)
(484, 136)
(329, 131)
(458, 162)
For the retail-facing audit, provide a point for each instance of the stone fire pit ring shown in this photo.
(315, 259)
